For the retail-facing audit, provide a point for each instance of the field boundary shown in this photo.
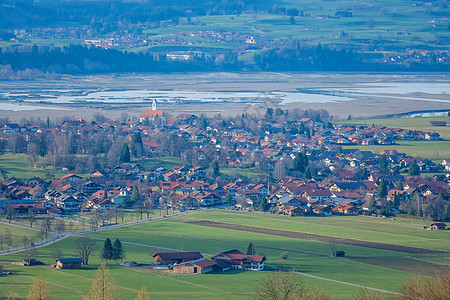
(316, 237)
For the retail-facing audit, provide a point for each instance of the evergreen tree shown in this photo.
(215, 169)
(135, 196)
(382, 189)
(264, 204)
(107, 253)
(298, 163)
(251, 249)
(399, 185)
(269, 113)
(117, 251)
(384, 168)
(102, 287)
(228, 198)
(138, 146)
(38, 291)
(413, 169)
(125, 154)
(308, 174)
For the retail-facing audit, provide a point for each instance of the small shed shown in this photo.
(438, 226)
(69, 263)
(338, 253)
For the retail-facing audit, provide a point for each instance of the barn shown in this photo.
(69, 263)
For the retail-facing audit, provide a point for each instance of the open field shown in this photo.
(362, 265)
(17, 235)
(418, 123)
(434, 150)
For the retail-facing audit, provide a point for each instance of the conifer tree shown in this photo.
(413, 169)
(251, 249)
(117, 251)
(125, 156)
(107, 253)
(382, 189)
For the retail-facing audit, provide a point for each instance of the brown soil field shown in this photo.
(316, 237)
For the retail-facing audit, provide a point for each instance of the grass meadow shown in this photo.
(366, 266)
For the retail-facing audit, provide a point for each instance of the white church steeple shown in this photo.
(154, 104)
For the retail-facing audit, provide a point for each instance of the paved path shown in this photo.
(20, 226)
(59, 237)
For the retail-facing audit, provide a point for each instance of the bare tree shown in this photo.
(46, 226)
(60, 227)
(84, 247)
(57, 253)
(38, 291)
(8, 238)
(30, 253)
(102, 287)
(31, 218)
(143, 294)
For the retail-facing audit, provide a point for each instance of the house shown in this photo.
(438, 226)
(69, 263)
(238, 260)
(173, 258)
(198, 266)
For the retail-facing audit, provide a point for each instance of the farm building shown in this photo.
(238, 260)
(338, 253)
(172, 258)
(438, 123)
(438, 226)
(199, 266)
(69, 263)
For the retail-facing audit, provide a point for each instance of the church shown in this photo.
(151, 114)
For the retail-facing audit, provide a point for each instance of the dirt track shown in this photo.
(316, 237)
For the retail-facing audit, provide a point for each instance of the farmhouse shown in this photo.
(173, 258)
(238, 260)
(69, 263)
(438, 226)
(198, 266)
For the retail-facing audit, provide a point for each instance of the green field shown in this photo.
(370, 267)
(434, 150)
(17, 235)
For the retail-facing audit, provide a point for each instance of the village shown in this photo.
(303, 169)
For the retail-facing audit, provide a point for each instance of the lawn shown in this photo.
(18, 165)
(371, 267)
(17, 235)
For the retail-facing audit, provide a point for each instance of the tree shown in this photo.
(125, 154)
(38, 291)
(118, 253)
(30, 253)
(107, 252)
(228, 199)
(215, 170)
(84, 246)
(291, 20)
(102, 287)
(46, 225)
(285, 286)
(264, 204)
(308, 173)
(251, 249)
(298, 163)
(8, 238)
(269, 113)
(143, 294)
(399, 185)
(31, 218)
(413, 169)
(382, 189)
(57, 253)
(135, 196)
(384, 168)
(417, 288)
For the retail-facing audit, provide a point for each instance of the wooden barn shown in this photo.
(199, 266)
(69, 263)
(172, 258)
(338, 253)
